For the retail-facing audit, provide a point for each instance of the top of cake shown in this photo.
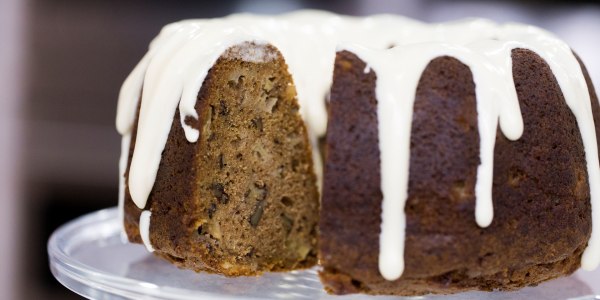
(172, 72)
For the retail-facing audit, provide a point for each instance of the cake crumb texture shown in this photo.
(243, 199)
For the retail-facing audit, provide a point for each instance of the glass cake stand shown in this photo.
(91, 257)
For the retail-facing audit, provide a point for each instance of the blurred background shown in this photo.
(62, 63)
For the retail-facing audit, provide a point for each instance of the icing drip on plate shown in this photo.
(173, 70)
(145, 229)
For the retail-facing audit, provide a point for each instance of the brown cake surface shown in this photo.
(542, 213)
(243, 199)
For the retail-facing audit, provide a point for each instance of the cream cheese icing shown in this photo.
(173, 70)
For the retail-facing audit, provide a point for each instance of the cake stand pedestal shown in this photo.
(90, 256)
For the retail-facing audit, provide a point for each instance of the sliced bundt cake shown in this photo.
(459, 155)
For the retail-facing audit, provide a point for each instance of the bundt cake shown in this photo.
(457, 156)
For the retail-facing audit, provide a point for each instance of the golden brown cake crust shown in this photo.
(243, 199)
(541, 195)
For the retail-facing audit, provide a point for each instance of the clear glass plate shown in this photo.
(90, 256)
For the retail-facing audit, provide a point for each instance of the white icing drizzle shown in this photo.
(145, 229)
(125, 141)
(173, 70)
